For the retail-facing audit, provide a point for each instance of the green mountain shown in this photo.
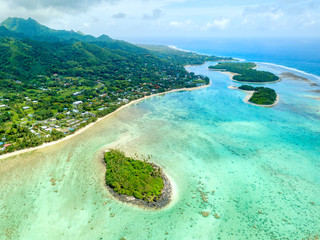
(32, 29)
(72, 78)
(4, 32)
(28, 27)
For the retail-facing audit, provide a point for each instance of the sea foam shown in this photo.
(292, 69)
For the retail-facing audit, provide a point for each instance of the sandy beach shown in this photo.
(230, 74)
(15, 153)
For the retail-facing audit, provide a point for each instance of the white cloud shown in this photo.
(174, 18)
(119, 16)
(220, 24)
(156, 13)
(286, 16)
(181, 24)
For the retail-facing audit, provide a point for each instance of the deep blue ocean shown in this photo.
(301, 54)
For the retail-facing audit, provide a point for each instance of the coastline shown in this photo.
(26, 150)
(249, 95)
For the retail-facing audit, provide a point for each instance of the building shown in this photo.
(77, 103)
(26, 108)
(76, 93)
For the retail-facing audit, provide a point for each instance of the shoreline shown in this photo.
(249, 95)
(194, 65)
(26, 150)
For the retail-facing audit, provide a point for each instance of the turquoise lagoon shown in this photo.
(255, 170)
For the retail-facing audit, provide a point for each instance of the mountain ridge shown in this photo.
(30, 28)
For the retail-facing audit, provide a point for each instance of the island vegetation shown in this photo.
(185, 57)
(132, 177)
(245, 72)
(54, 82)
(247, 88)
(261, 95)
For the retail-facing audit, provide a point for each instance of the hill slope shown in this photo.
(54, 82)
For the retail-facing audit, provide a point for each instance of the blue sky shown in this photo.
(127, 19)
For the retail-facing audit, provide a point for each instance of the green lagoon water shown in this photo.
(259, 169)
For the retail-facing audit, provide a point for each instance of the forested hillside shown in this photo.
(53, 82)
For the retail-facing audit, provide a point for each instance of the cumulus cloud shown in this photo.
(182, 24)
(285, 14)
(61, 5)
(157, 13)
(119, 16)
(181, 18)
(220, 24)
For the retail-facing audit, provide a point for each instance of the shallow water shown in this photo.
(257, 167)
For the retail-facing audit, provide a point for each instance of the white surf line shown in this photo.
(179, 49)
(291, 69)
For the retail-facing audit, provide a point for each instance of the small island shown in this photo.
(245, 72)
(134, 181)
(260, 96)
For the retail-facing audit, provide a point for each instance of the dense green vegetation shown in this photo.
(261, 95)
(246, 72)
(54, 82)
(247, 88)
(133, 177)
(183, 57)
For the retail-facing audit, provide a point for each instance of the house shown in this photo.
(1, 143)
(26, 108)
(2, 106)
(76, 93)
(64, 131)
(77, 103)
(7, 145)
